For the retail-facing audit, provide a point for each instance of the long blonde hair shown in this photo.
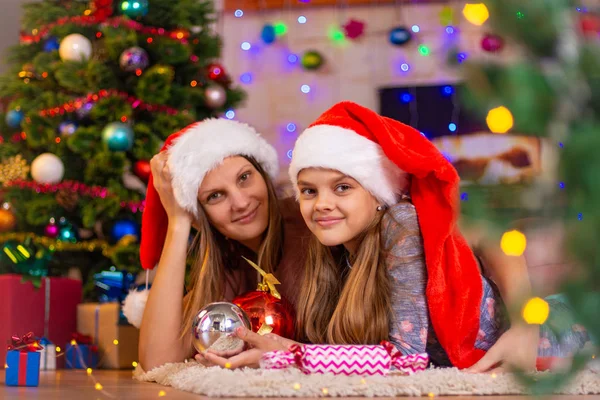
(354, 311)
(213, 256)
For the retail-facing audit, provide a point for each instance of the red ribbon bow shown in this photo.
(81, 339)
(26, 343)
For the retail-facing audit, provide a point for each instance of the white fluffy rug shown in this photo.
(218, 382)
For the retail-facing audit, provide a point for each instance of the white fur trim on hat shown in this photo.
(334, 147)
(204, 146)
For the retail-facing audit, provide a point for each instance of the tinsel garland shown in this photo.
(78, 187)
(57, 245)
(42, 32)
(74, 105)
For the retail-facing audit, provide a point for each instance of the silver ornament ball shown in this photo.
(134, 58)
(215, 96)
(214, 325)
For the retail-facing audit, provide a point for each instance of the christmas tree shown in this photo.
(553, 91)
(93, 91)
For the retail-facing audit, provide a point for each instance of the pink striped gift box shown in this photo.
(346, 359)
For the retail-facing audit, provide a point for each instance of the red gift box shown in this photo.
(50, 310)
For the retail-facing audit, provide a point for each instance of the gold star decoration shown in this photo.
(13, 168)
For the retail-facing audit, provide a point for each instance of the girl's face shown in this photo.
(235, 198)
(335, 207)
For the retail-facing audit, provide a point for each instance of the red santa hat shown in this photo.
(377, 152)
(193, 152)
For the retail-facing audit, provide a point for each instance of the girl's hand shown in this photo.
(516, 348)
(162, 179)
(250, 358)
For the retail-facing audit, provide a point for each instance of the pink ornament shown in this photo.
(492, 43)
(354, 29)
(51, 230)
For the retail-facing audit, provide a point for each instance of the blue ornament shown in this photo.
(124, 227)
(51, 44)
(268, 34)
(400, 36)
(67, 128)
(134, 8)
(118, 136)
(14, 118)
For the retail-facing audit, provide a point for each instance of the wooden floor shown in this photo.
(77, 385)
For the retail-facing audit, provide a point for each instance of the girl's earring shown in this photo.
(379, 208)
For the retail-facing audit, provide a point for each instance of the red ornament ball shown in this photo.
(264, 308)
(142, 169)
(590, 25)
(492, 43)
(216, 71)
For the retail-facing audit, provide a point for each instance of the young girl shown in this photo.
(388, 261)
(216, 175)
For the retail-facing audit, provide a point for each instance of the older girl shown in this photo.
(216, 175)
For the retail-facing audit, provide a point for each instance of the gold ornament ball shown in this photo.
(8, 221)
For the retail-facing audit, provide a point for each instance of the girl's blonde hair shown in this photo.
(351, 311)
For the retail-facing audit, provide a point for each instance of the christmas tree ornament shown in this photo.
(214, 327)
(75, 47)
(215, 96)
(117, 136)
(267, 310)
(51, 230)
(101, 9)
(67, 199)
(51, 44)
(399, 36)
(67, 232)
(589, 24)
(267, 34)
(142, 170)
(27, 72)
(84, 111)
(312, 60)
(67, 128)
(354, 29)
(8, 221)
(446, 16)
(26, 258)
(134, 8)
(14, 118)
(47, 168)
(13, 168)
(133, 59)
(492, 43)
(476, 13)
(216, 71)
(124, 227)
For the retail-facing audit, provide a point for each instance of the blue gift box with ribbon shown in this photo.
(81, 353)
(23, 361)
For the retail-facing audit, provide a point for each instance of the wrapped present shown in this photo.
(117, 341)
(48, 355)
(50, 310)
(81, 353)
(113, 286)
(346, 359)
(23, 361)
